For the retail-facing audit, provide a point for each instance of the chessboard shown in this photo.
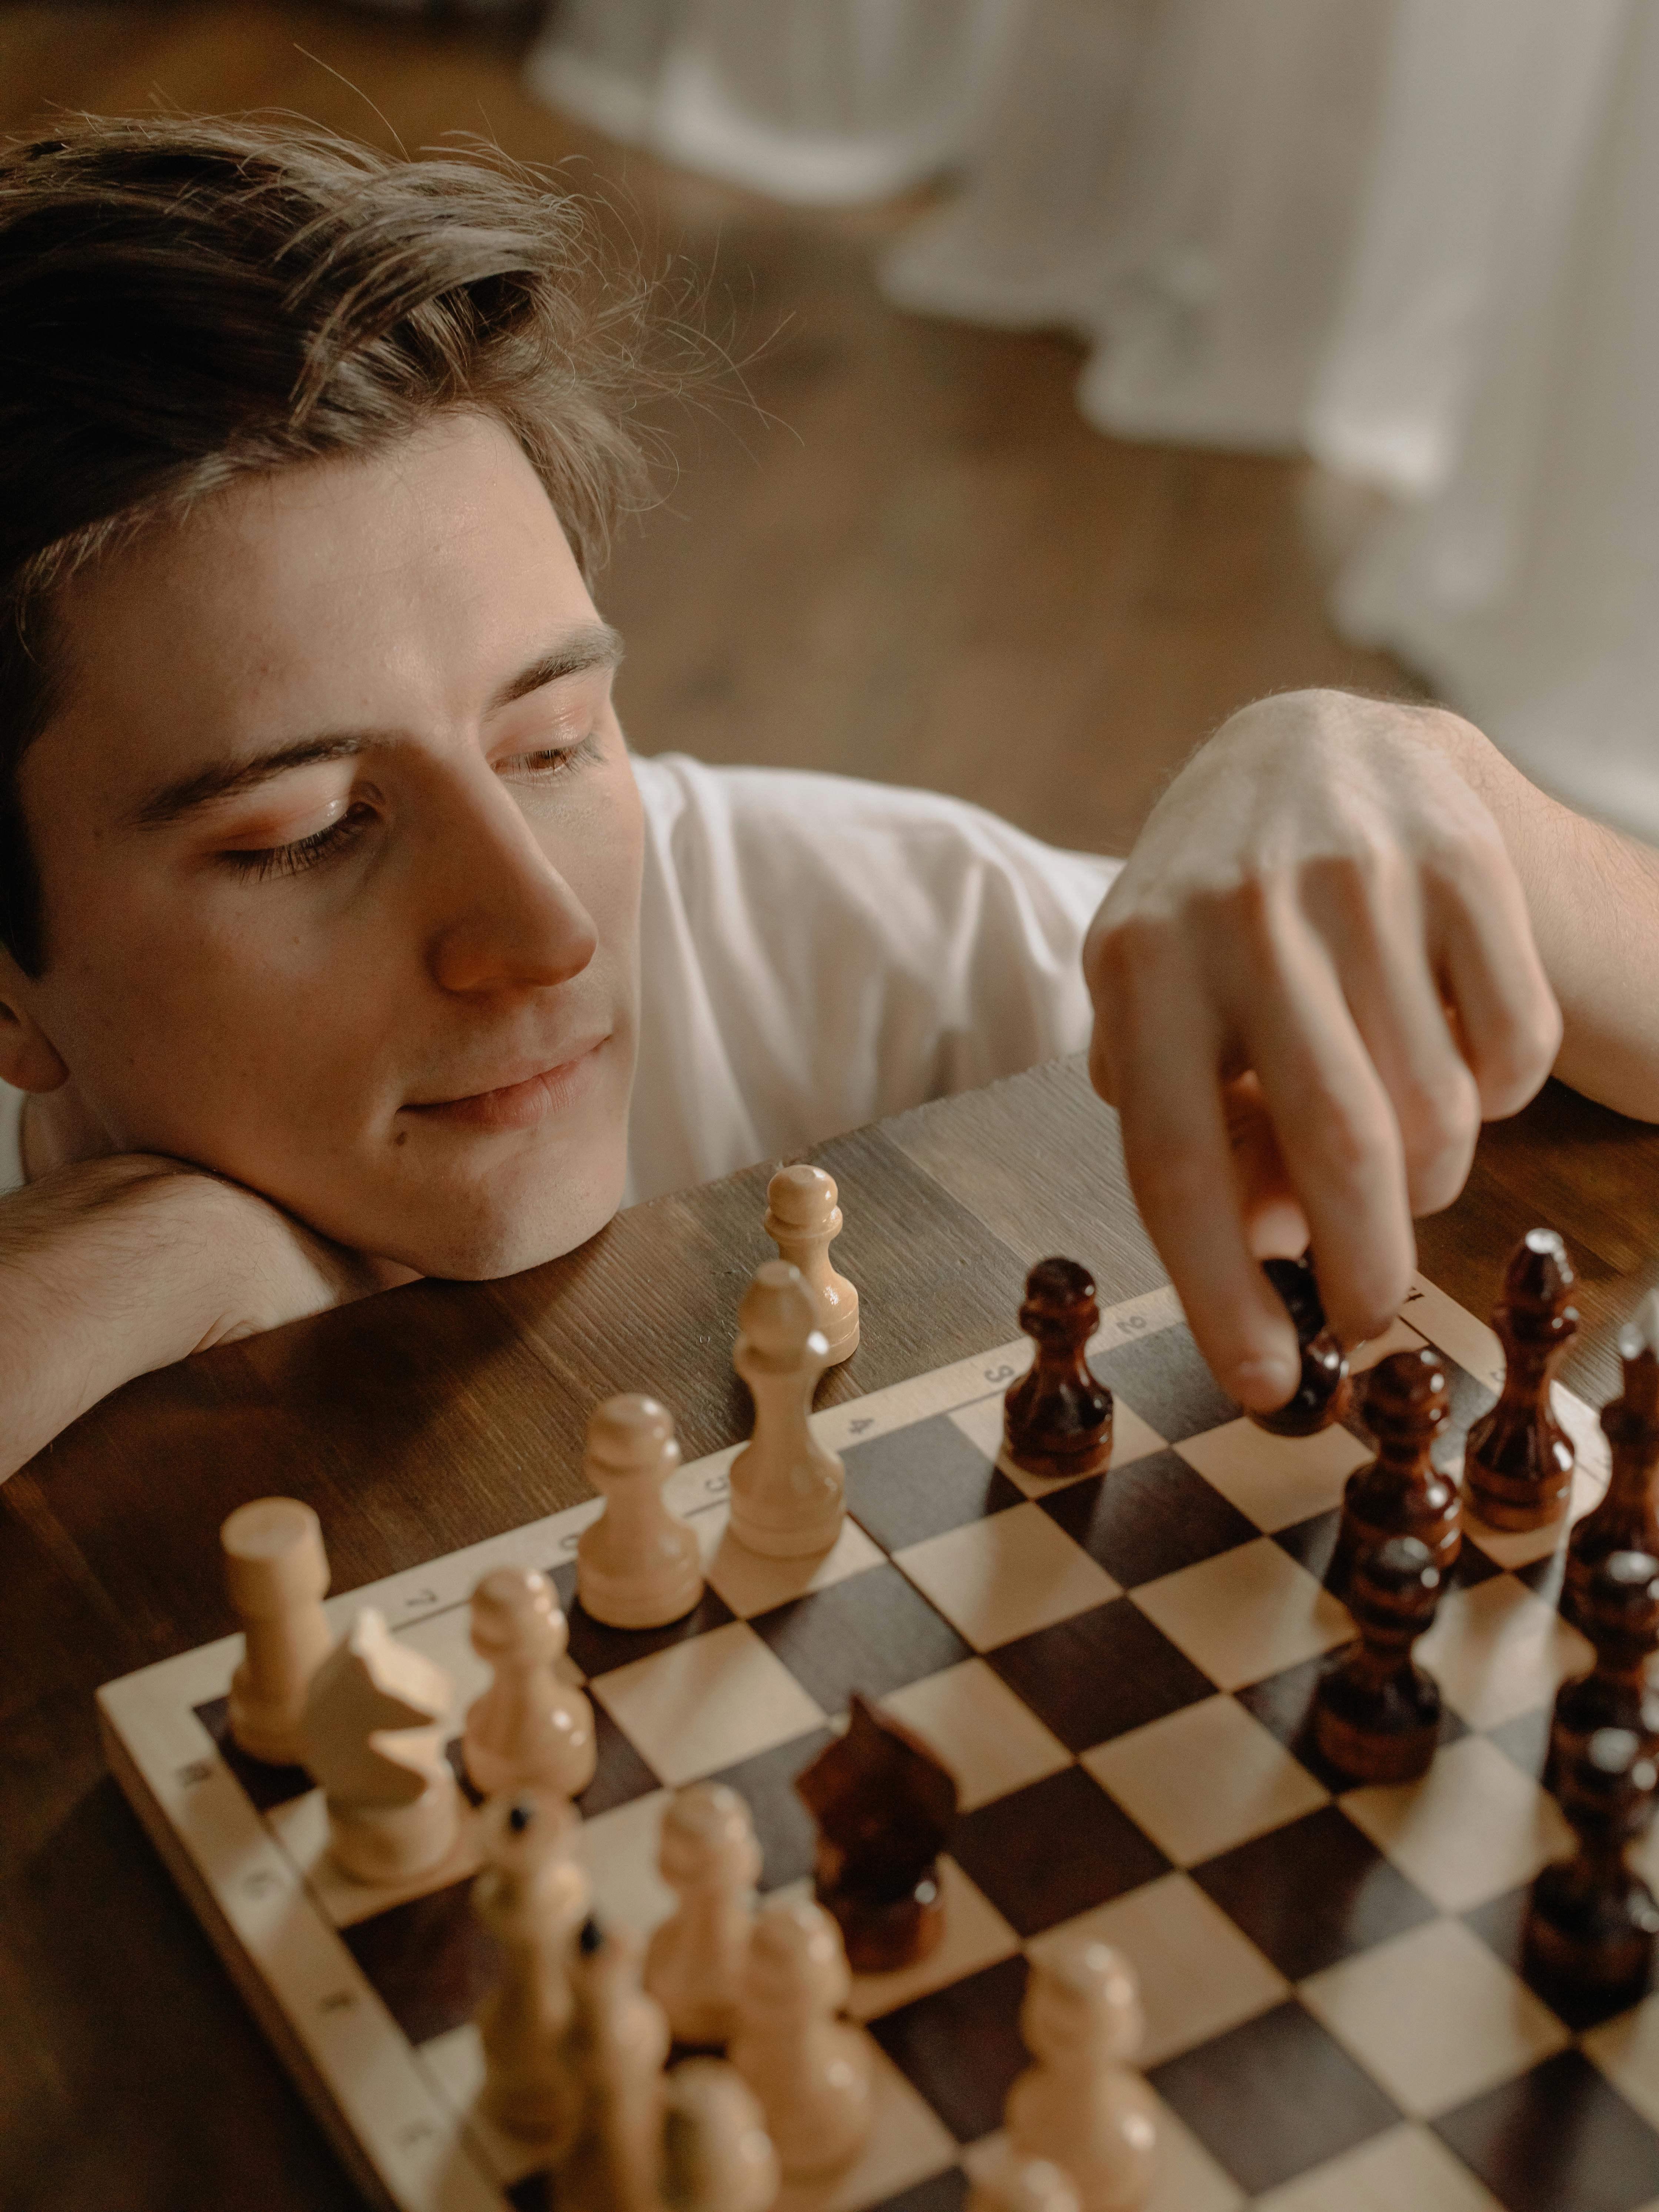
(1119, 1670)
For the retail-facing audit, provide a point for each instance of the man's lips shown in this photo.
(524, 1100)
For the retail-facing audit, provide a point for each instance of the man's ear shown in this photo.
(28, 1058)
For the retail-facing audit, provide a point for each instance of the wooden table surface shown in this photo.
(131, 2078)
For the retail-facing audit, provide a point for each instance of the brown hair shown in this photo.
(183, 302)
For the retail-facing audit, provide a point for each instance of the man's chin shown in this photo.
(470, 1246)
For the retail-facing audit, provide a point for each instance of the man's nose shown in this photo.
(508, 919)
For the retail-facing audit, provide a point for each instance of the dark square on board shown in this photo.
(430, 1960)
(266, 1786)
(1501, 1925)
(1274, 2097)
(1100, 1673)
(1312, 1892)
(620, 1775)
(1150, 1518)
(1312, 1543)
(785, 1830)
(1057, 1848)
(944, 2192)
(922, 1480)
(1163, 1377)
(1283, 1703)
(1526, 1739)
(597, 1650)
(874, 1632)
(960, 2046)
(1559, 2138)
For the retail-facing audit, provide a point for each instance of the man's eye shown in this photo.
(257, 864)
(552, 759)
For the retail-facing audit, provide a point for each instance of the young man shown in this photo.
(343, 941)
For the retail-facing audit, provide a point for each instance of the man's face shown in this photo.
(340, 850)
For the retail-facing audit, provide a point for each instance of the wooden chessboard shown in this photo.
(1119, 1669)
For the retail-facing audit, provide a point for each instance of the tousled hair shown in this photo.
(183, 302)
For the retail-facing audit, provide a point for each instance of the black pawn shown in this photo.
(1620, 1616)
(1376, 1714)
(1401, 1492)
(1324, 1392)
(1591, 1922)
(1517, 1465)
(1057, 1419)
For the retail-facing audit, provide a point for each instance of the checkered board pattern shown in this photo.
(1119, 1670)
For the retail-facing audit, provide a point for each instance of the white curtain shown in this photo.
(1415, 238)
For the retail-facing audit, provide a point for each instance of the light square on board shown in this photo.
(1524, 1548)
(1276, 1480)
(696, 1707)
(1434, 2016)
(1399, 1336)
(1185, 2177)
(1246, 1613)
(1006, 1576)
(1474, 1827)
(1199, 1976)
(300, 1826)
(1203, 1779)
(751, 1584)
(619, 1850)
(989, 1739)
(907, 2144)
(1497, 1651)
(1405, 2170)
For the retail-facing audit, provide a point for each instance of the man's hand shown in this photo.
(1314, 979)
(114, 1267)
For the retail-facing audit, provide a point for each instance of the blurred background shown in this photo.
(1108, 363)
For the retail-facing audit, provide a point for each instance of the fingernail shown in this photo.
(1264, 1384)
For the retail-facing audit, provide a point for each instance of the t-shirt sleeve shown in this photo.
(818, 952)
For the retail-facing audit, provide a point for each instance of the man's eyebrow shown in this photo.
(595, 645)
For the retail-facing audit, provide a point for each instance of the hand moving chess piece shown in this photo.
(1324, 1392)
(533, 1897)
(1620, 1616)
(1082, 2105)
(616, 2048)
(717, 2156)
(884, 1806)
(787, 1492)
(277, 1573)
(810, 2070)
(1376, 1716)
(638, 1565)
(370, 1736)
(696, 1959)
(1591, 1922)
(1057, 1418)
(1400, 1493)
(1625, 1520)
(528, 1730)
(1008, 2181)
(803, 1220)
(1517, 1464)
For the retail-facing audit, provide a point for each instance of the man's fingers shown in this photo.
(1506, 1011)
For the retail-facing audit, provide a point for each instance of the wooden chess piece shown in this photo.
(615, 2050)
(1620, 1616)
(1400, 1493)
(1323, 1393)
(1625, 1520)
(533, 1897)
(696, 1959)
(529, 1729)
(1591, 1922)
(371, 1737)
(1517, 1463)
(1057, 1418)
(810, 2070)
(1005, 2180)
(717, 2156)
(638, 1565)
(803, 1220)
(1081, 2104)
(1377, 1714)
(788, 1494)
(277, 1573)
(885, 1806)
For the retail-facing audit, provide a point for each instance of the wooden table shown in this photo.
(130, 2077)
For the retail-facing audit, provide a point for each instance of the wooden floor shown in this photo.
(911, 560)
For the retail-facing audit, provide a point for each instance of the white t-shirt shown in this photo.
(816, 953)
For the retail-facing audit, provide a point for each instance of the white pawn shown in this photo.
(804, 1220)
(533, 1897)
(1082, 2105)
(615, 2051)
(528, 1730)
(1009, 2182)
(810, 2069)
(717, 2156)
(709, 1858)
(787, 1492)
(370, 1736)
(638, 1565)
(277, 1573)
